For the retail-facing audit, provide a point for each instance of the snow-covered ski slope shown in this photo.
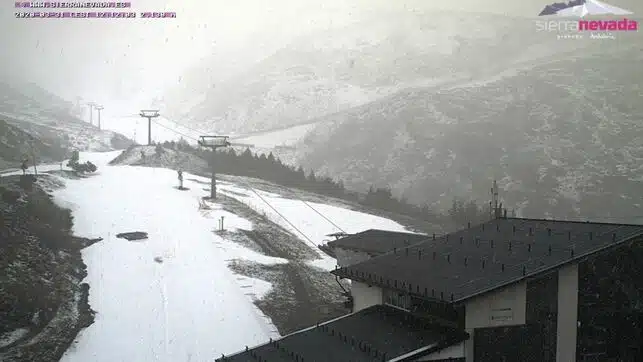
(191, 306)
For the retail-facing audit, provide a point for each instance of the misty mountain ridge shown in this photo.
(332, 71)
(563, 138)
(31, 114)
(438, 106)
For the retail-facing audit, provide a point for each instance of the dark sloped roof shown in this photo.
(374, 334)
(478, 259)
(377, 241)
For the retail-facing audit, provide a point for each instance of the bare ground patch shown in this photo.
(301, 295)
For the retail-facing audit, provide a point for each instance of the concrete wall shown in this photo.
(456, 351)
(365, 296)
(567, 313)
(505, 307)
(349, 257)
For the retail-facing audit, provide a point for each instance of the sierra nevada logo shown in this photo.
(581, 9)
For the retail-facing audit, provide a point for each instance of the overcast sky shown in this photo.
(117, 60)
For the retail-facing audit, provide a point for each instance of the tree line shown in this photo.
(270, 168)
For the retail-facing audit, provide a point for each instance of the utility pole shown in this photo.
(149, 114)
(91, 112)
(213, 142)
(99, 108)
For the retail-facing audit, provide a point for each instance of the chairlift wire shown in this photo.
(256, 193)
(614, 218)
(322, 215)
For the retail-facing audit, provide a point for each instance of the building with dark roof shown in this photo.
(355, 248)
(377, 333)
(506, 290)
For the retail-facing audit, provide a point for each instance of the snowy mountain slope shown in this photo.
(15, 144)
(178, 308)
(50, 119)
(563, 139)
(332, 71)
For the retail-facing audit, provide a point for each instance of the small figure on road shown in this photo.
(180, 172)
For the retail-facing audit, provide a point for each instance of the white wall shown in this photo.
(348, 257)
(456, 351)
(365, 296)
(567, 313)
(505, 307)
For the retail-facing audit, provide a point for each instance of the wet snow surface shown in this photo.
(190, 306)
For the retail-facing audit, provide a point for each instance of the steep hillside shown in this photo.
(50, 119)
(327, 72)
(15, 144)
(563, 138)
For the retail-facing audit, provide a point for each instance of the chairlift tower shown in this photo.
(213, 142)
(149, 114)
(98, 108)
(91, 112)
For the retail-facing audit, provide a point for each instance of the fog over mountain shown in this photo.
(433, 100)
